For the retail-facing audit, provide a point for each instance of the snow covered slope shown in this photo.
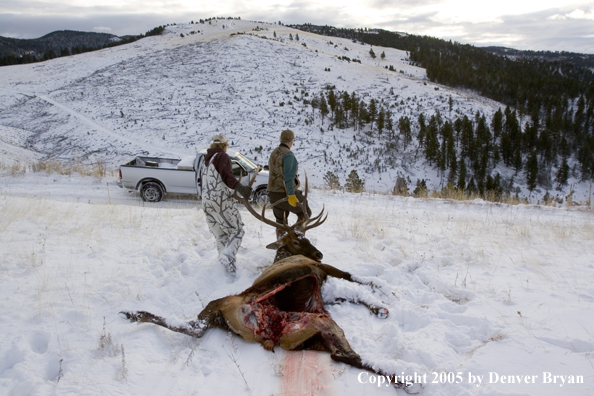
(168, 95)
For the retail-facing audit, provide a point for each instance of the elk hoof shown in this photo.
(383, 313)
(132, 317)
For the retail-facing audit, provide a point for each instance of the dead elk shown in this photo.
(282, 308)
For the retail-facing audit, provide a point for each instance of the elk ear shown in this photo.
(274, 245)
(279, 242)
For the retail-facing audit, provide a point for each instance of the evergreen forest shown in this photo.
(546, 125)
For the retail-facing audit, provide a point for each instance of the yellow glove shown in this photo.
(293, 200)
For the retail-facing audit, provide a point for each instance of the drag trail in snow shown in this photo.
(472, 289)
(116, 138)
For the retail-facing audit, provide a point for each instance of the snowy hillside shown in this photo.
(475, 290)
(170, 94)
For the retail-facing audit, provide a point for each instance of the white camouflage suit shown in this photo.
(222, 216)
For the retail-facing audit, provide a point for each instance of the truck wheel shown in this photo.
(151, 192)
(260, 197)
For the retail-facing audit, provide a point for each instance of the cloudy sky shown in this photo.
(555, 25)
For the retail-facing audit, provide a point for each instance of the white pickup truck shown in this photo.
(154, 177)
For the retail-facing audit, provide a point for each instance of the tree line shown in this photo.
(528, 84)
(350, 111)
(466, 149)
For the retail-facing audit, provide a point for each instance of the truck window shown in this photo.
(238, 170)
(245, 162)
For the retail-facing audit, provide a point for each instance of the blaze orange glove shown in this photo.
(293, 200)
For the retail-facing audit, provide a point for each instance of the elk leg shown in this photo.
(209, 317)
(336, 273)
(340, 350)
(380, 312)
(355, 361)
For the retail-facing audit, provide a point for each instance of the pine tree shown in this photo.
(340, 116)
(483, 134)
(497, 124)
(389, 123)
(431, 141)
(422, 129)
(372, 111)
(332, 100)
(531, 134)
(332, 180)
(518, 164)
(323, 108)
(512, 129)
(49, 54)
(467, 139)
(452, 173)
(532, 171)
(471, 188)
(363, 114)
(449, 152)
(381, 121)
(420, 189)
(354, 183)
(405, 132)
(562, 174)
(462, 176)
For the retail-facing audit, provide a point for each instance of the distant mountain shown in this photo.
(577, 59)
(55, 41)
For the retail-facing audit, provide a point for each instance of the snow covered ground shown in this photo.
(475, 290)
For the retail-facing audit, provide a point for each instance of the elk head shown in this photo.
(291, 239)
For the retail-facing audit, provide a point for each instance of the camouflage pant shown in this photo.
(222, 217)
(227, 228)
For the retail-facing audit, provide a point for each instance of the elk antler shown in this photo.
(303, 225)
(261, 217)
(308, 223)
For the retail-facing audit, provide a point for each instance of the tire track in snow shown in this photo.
(95, 125)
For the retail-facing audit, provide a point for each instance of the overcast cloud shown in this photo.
(555, 25)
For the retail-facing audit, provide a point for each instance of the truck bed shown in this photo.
(164, 163)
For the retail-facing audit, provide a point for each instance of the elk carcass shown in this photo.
(284, 306)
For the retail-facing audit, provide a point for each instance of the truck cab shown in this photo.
(154, 177)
